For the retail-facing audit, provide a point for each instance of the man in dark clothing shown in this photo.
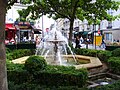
(77, 41)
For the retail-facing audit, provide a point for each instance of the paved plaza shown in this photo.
(91, 46)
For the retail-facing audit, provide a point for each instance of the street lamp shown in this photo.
(95, 35)
(94, 24)
(42, 26)
(94, 28)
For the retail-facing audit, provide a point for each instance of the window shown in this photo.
(109, 24)
(108, 36)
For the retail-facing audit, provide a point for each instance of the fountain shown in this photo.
(55, 49)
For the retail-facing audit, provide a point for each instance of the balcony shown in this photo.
(109, 27)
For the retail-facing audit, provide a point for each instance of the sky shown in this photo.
(46, 22)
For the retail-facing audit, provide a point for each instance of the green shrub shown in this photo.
(91, 52)
(14, 67)
(81, 51)
(19, 53)
(8, 50)
(35, 64)
(116, 52)
(62, 76)
(86, 52)
(29, 86)
(104, 55)
(18, 76)
(114, 64)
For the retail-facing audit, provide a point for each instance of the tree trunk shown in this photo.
(3, 72)
(71, 30)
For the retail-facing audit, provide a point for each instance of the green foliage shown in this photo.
(67, 76)
(104, 55)
(71, 9)
(28, 86)
(10, 3)
(8, 50)
(23, 14)
(116, 52)
(18, 76)
(114, 64)
(86, 52)
(19, 53)
(58, 76)
(35, 64)
(14, 67)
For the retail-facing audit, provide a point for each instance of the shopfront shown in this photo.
(10, 32)
(25, 32)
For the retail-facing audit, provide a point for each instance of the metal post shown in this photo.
(42, 27)
(95, 36)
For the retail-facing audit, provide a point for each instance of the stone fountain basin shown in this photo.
(92, 62)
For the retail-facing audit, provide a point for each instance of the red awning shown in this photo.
(9, 26)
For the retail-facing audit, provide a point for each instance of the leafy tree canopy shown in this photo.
(82, 9)
(71, 9)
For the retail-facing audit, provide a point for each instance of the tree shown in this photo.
(4, 6)
(71, 9)
(3, 72)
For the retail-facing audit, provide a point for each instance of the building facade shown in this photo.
(111, 29)
(22, 31)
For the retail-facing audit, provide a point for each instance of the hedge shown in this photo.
(102, 55)
(11, 55)
(114, 64)
(28, 86)
(51, 78)
(116, 52)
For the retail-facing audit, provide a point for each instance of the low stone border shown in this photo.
(94, 62)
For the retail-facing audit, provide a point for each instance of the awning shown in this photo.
(85, 33)
(37, 32)
(9, 26)
(90, 32)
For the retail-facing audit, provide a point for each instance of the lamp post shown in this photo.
(94, 29)
(94, 24)
(95, 36)
(42, 26)
(42, 30)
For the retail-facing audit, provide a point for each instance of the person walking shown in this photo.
(103, 44)
(77, 41)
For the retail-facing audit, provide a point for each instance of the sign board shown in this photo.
(98, 40)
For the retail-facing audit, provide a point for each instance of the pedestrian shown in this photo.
(16, 38)
(117, 40)
(37, 40)
(103, 44)
(77, 41)
(81, 40)
(86, 42)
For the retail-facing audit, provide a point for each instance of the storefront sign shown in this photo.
(98, 40)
